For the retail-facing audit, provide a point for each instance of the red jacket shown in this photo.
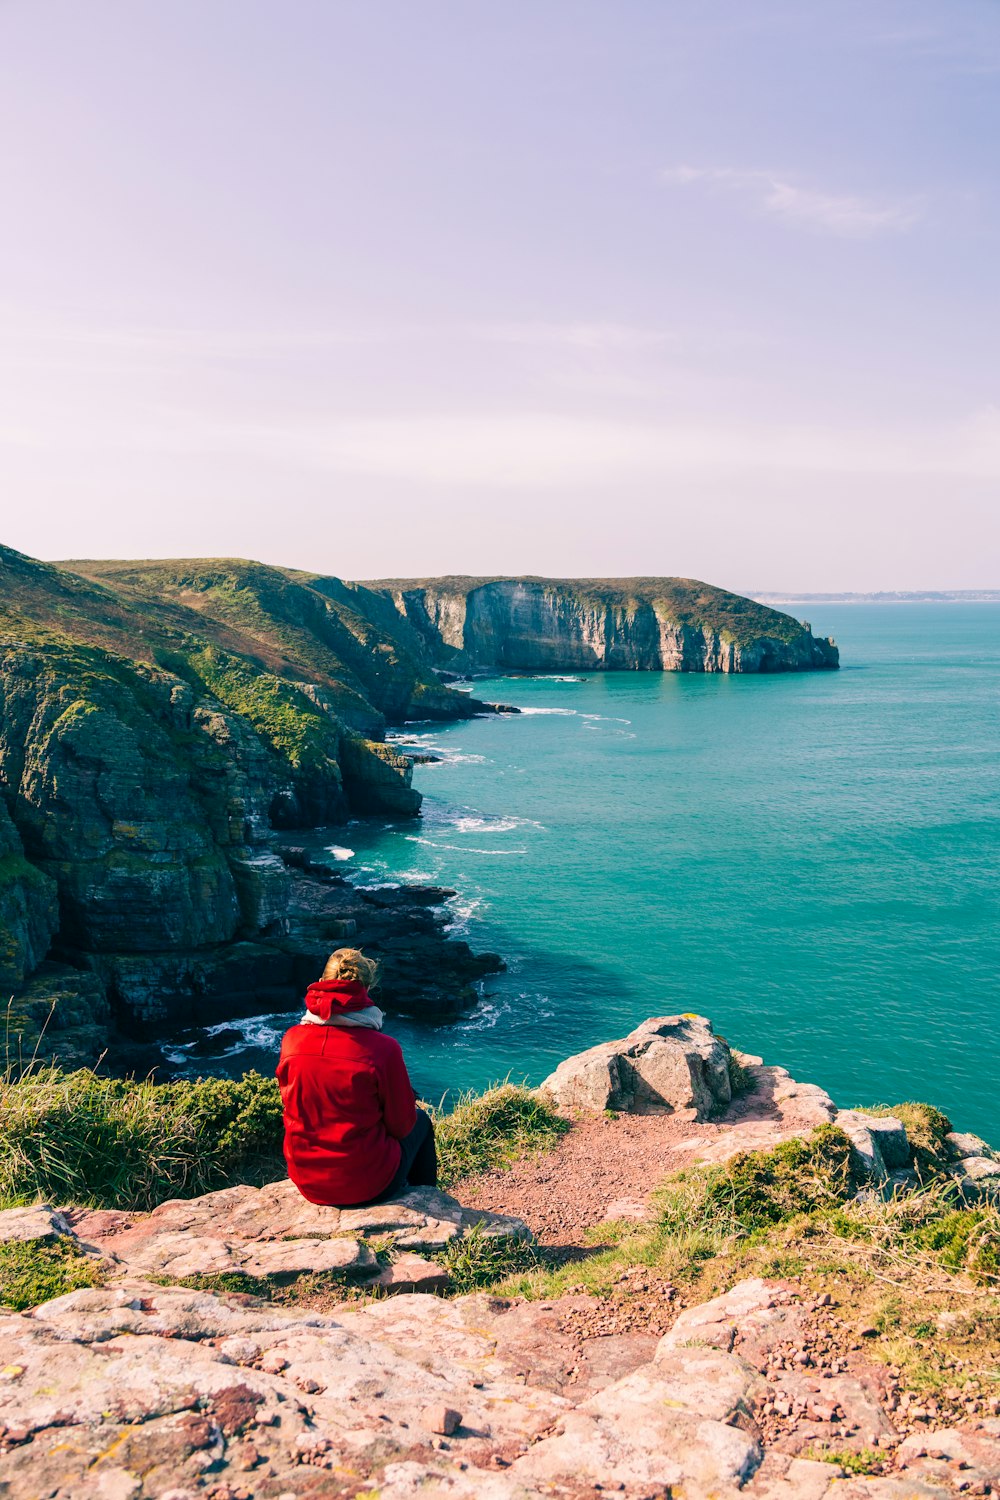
(348, 1102)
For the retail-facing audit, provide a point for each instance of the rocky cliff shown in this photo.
(161, 721)
(158, 723)
(636, 624)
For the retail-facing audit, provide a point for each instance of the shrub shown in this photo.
(35, 1271)
(114, 1143)
(967, 1239)
(758, 1189)
(490, 1130)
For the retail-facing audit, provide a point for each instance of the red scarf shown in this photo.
(329, 997)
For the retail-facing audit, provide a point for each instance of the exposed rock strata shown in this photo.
(560, 625)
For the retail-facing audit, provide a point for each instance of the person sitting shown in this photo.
(353, 1132)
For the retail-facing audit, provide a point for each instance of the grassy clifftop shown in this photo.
(688, 601)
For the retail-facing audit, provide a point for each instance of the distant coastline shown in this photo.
(901, 596)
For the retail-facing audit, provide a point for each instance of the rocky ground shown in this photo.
(607, 1166)
(165, 1383)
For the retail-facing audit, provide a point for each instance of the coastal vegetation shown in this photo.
(131, 1144)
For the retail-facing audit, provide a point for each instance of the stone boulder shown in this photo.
(961, 1145)
(668, 1065)
(880, 1141)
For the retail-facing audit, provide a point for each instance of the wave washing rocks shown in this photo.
(143, 1389)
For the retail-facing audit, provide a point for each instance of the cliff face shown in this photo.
(157, 723)
(646, 625)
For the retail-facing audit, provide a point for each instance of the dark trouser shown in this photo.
(418, 1165)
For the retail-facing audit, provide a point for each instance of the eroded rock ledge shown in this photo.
(145, 1388)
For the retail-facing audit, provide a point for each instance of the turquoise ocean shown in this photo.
(811, 860)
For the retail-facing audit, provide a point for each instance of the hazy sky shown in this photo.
(429, 286)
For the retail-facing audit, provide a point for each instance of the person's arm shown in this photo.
(399, 1108)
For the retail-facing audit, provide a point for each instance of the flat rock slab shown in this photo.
(38, 1222)
(274, 1231)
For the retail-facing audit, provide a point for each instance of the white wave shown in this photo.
(606, 718)
(262, 1034)
(339, 851)
(566, 711)
(253, 1031)
(463, 911)
(176, 1055)
(486, 824)
(486, 1016)
(416, 838)
(554, 677)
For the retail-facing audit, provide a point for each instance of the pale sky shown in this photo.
(548, 286)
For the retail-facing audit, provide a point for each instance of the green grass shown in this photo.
(868, 1461)
(758, 1189)
(490, 1130)
(113, 1143)
(35, 1271)
(477, 1260)
(109, 1143)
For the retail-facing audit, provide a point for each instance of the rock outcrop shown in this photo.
(634, 624)
(158, 724)
(150, 1391)
(669, 1063)
(249, 1345)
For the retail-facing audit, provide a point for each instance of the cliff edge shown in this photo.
(772, 1316)
(610, 624)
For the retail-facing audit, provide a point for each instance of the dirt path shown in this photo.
(605, 1167)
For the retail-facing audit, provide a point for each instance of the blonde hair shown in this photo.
(352, 965)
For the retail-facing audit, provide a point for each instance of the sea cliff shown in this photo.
(637, 624)
(160, 726)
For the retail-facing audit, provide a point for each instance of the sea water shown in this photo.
(811, 860)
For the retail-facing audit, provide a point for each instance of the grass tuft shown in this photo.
(36, 1271)
(480, 1260)
(113, 1143)
(741, 1079)
(490, 1130)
